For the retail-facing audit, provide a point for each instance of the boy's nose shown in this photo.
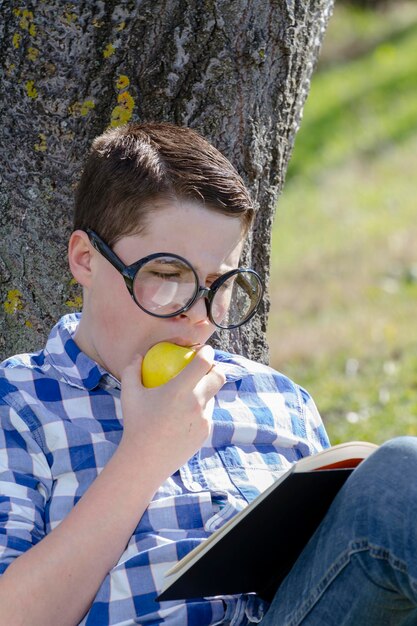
(198, 312)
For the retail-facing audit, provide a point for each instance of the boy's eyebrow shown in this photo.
(174, 262)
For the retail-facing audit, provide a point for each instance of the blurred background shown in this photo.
(343, 320)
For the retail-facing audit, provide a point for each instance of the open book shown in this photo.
(255, 550)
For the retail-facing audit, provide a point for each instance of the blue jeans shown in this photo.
(360, 567)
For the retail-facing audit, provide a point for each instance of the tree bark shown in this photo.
(238, 71)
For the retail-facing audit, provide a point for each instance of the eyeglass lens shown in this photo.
(166, 285)
(236, 299)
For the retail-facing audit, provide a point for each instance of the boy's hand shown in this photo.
(169, 423)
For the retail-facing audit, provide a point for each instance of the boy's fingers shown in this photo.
(205, 355)
(210, 384)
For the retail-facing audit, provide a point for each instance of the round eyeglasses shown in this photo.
(166, 285)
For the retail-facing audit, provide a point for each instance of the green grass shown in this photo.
(344, 249)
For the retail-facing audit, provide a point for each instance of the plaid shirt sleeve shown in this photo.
(25, 486)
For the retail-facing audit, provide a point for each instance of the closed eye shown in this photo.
(165, 276)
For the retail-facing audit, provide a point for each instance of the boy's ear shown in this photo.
(79, 257)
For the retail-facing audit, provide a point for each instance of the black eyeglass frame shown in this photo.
(129, 273)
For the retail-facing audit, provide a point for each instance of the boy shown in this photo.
(106, 484)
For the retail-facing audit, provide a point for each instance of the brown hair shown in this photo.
(132, 166)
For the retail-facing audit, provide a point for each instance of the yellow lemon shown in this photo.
(164, 361)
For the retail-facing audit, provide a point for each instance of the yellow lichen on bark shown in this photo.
(86, 107)
(69, 17)
(41, 146)
(81, 108)
(122, 82)
(123, 111)
(26, 22)
(109, 50)
(33, 54)
(31, 90)
(75, 300)
(14, 302)
(17, 38)
(76, 303)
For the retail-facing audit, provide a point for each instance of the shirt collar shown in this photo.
(63, 354)
(227, 363)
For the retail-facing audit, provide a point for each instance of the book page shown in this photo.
(344, 455)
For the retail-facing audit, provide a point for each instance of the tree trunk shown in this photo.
(238, 71)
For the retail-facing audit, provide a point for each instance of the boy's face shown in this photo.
(113, 328)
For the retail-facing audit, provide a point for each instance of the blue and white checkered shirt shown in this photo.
(61, 422)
